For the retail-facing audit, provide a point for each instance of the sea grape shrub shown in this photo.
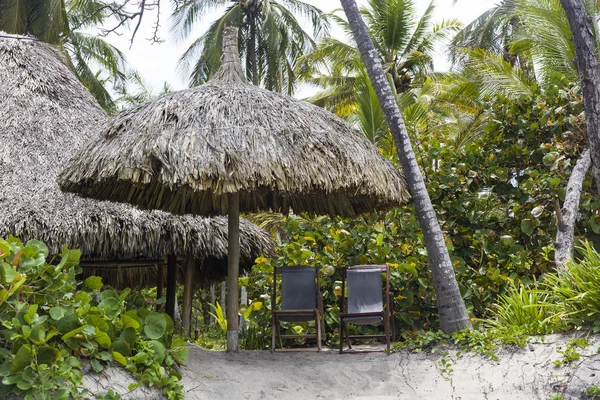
(495, 196)
(50, 322)
(330, 244)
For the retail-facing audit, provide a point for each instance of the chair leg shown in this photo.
(348, 337)
(279, 334)
(341, 335)
(318, 323)
(273, 333)
(386, 323)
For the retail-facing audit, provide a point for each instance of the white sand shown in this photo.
(526, 374)
(519, 374)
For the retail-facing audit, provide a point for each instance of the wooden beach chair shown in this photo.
(362, 303)
(300, 302)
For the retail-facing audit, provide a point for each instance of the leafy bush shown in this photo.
(563, 300)
(577, 288)
(525, 311)
(49, 323)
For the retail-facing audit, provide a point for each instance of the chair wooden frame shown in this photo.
(386, 313)
(299, 315)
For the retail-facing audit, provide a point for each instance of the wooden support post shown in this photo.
(188, 290)
(224, 298)
(211, 320)
(244, 301)
(233, 269)
(171, 285)
(160, 284)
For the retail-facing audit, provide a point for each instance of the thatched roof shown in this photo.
(45, 116)
(182, 151)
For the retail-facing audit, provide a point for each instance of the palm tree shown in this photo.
(52, 21)
(491, 31)
(405, 43)
(135, 90)
(586, 49)
(271, 38)
(451, 307)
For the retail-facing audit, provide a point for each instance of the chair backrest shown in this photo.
(298, 288)
(364, 289)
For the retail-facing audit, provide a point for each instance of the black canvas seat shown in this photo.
(300, 302)
(364, 302)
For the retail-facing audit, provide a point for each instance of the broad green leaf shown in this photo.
(119, 358)
(527, 226)
(4, 249)
(48, 355)
(129, 322)
(63, 393)
(121, 347)
(57, 313)
(111, 306)
(38, 334)
(110, 293)
(93, 283)
(124, 293)
(103, 339)
(69, 258)
(159, 350)
(67, 323)
(179, 350)
(96, 365)
(72, 333)
(41, 247)
(98, 322)
(155, 325)
(22, 359)
(595, 223)
(129, 336)
(7, 272)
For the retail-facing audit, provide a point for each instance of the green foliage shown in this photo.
(570, 353)
(528, 311)
(219, 316)
(562, 301)
(577, 288)
(483, 342)
(49, 324)
(422, 340)
(592, 392)
(271, 38)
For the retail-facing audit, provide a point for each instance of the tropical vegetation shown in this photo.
(494, 141)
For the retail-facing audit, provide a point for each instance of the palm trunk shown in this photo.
(252, 52)
(567, 216)
(451, 307)
(587, 64)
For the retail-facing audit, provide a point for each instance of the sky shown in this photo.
(157, 63)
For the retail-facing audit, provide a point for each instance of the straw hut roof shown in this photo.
(46, 115)
(181, 152)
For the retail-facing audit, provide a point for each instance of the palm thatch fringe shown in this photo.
(46, 115)
(183, 151)
(208, 271)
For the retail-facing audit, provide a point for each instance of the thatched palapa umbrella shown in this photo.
(46, 114)
(228, 146)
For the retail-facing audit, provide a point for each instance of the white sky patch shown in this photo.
(157, 62)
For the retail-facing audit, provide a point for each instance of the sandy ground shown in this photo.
(526, 374)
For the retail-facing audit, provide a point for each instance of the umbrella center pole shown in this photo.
(233, 269)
